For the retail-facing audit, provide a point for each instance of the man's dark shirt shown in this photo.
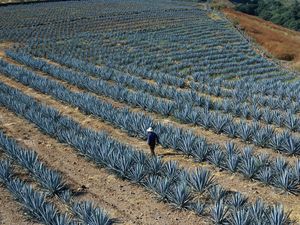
(152, 138)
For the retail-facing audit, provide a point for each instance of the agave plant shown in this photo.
(291, 145)
(277, 216)
(217, 193)
(231, 130)
(163, 188)
(137, 173)
(240, 217)
(171, 171)
(155, 166)
(219, 123)
(258, 212)
(187, 142)
(245, 131)
(262, 137)
(197, 207)
(286, 182)
(238, 201)
(248, 166)
(265, 175)
(180, 196)
(292, 122)
(201, 150)
(90, 214)
(200, 180)
(219, 213)
(216, 156)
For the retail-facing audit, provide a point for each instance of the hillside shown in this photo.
(282, 43)
(285, 13)
(137, 112)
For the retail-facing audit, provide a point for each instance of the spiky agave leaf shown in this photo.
(155, 166)
(5, 171)
(277, 216)
(286, 182)
(239, 217)
(90, 214)
(180, 195)
(171, 171)
(50, 179)
(163, 188)
(137, 173)
(265, 175)
(258, 212)
(238, 200)
(201, 150)
(200, 180)
(219, 213)
(217, 193)
(198, 207)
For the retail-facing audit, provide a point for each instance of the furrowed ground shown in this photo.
(80, 82)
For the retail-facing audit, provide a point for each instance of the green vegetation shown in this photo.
(285, 13)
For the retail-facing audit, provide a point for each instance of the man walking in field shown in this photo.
(152, 140)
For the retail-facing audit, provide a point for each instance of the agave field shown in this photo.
(80, 83)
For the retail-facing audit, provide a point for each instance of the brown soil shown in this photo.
(282, 43)
(236, 182)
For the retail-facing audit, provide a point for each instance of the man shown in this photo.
(152, 140)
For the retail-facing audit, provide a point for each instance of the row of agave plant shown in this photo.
(245, 96)
(238, 109)
(196, 190)
(52, 182)
(219, 123)
(172, 93)
(211, 89)
(275, 87)
(277, 173)
(35, 203)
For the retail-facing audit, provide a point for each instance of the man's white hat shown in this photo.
(149, 129)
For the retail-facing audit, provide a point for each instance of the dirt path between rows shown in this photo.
(229, 181)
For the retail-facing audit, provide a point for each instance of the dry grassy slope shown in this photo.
(282, 43)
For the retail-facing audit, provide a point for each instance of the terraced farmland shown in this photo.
(80, 83)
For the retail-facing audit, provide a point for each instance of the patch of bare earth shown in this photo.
(282, 43)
